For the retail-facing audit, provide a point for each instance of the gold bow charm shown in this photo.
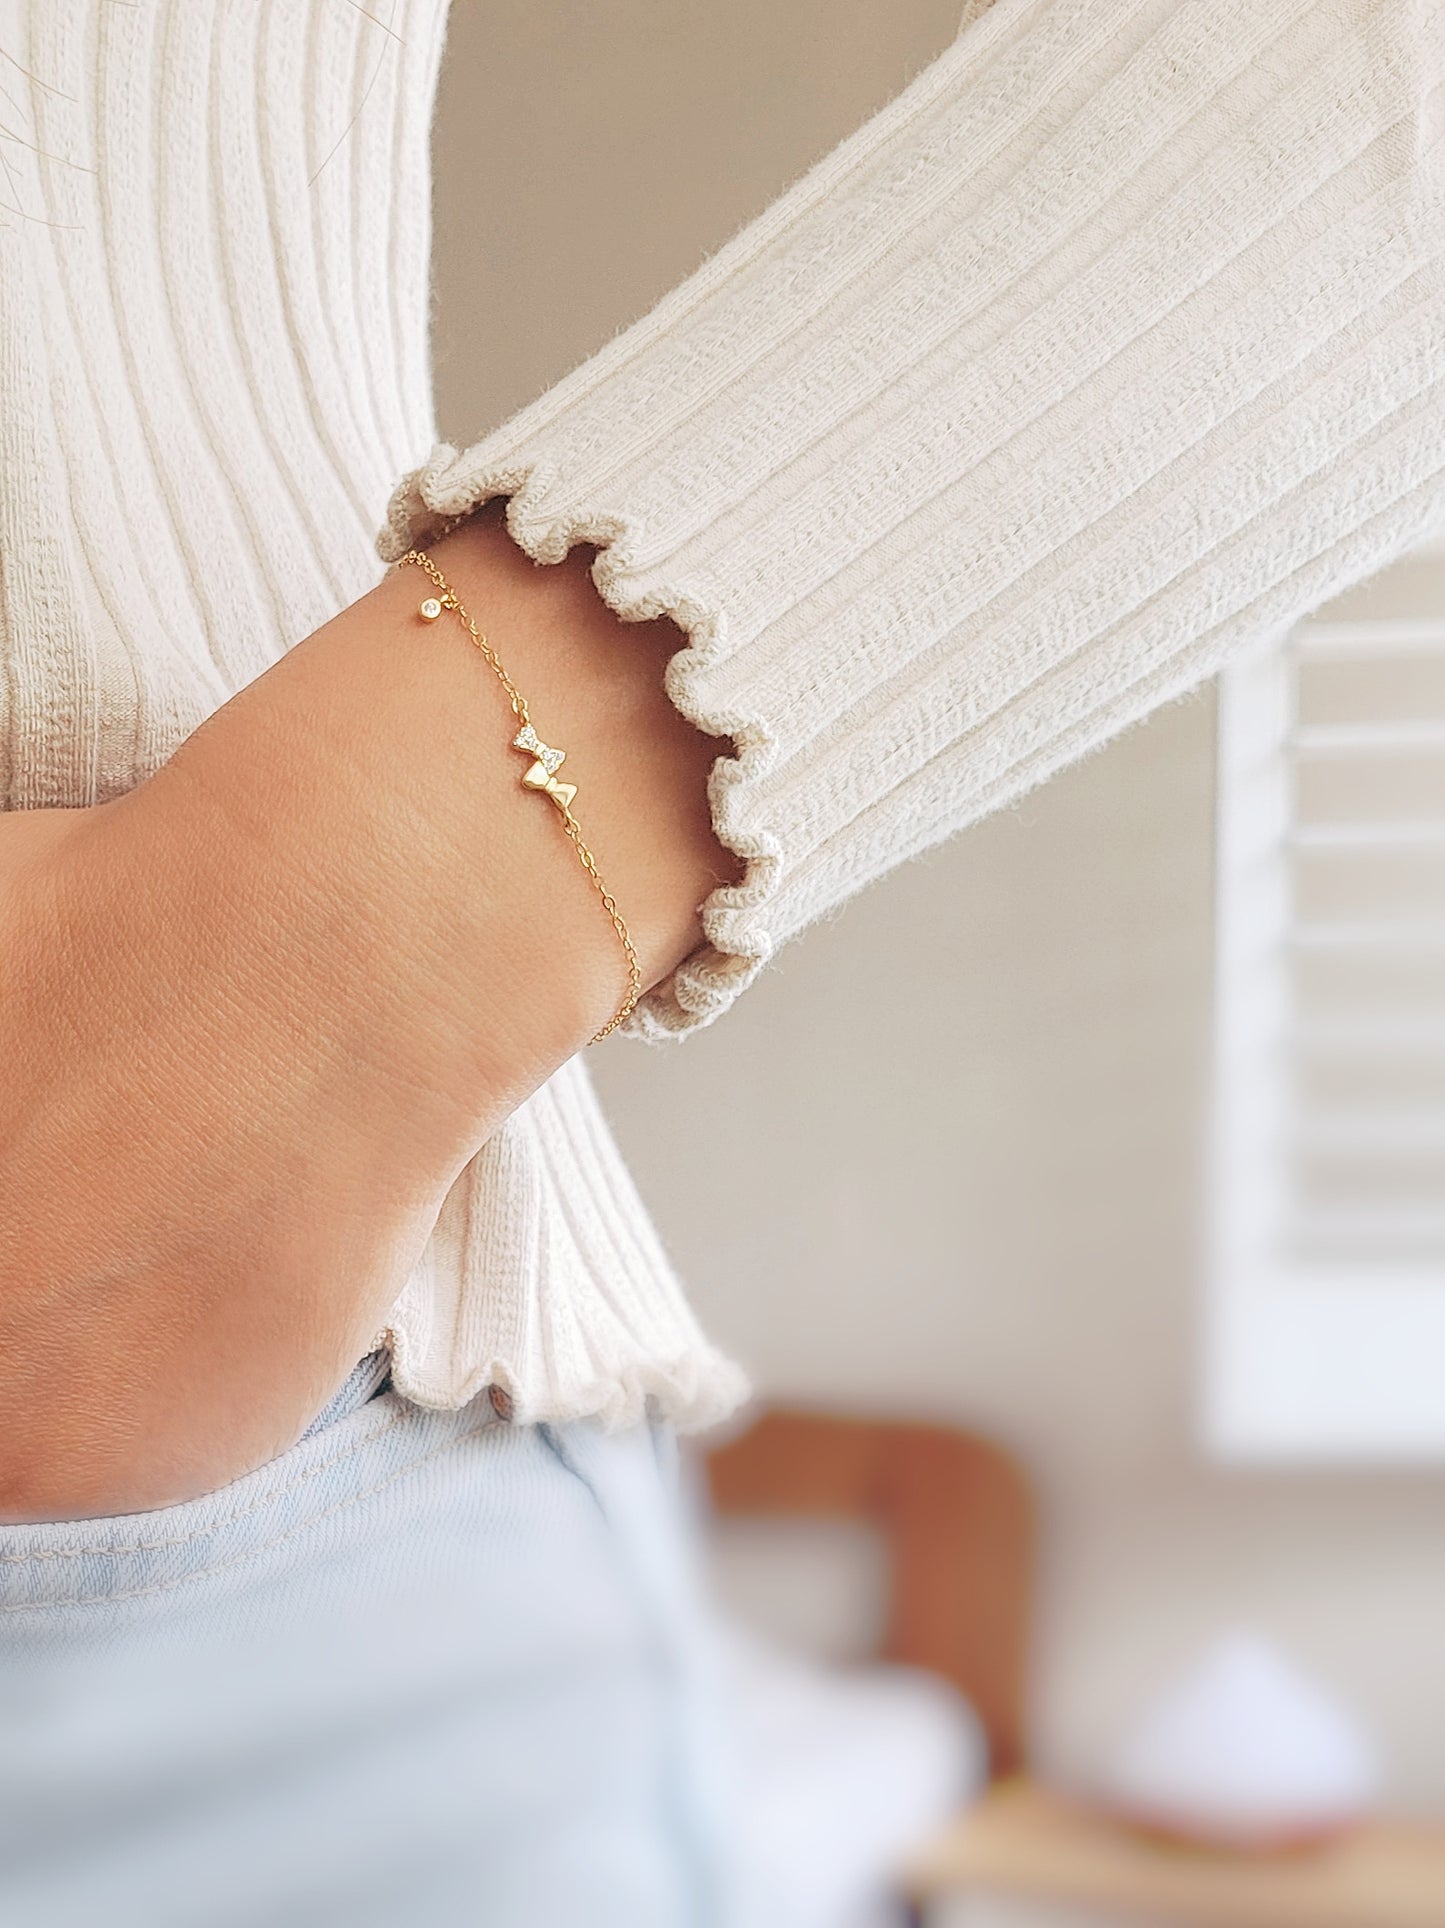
(543, 773)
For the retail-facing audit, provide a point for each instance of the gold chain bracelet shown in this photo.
(541, 775)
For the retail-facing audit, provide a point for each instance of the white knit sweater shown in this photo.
(1117, 340)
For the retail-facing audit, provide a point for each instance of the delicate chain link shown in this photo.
(450, 600)
(447, 598)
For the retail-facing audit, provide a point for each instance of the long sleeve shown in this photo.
(213, 364)
(1116, 340)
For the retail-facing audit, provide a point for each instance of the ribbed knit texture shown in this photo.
(1118, 339)
(213, 366)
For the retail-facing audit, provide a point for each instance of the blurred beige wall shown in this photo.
(943, 1159)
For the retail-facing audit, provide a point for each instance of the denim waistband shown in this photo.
(366, 1379)
(361, 1453)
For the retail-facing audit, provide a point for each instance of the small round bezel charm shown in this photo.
(431, 609)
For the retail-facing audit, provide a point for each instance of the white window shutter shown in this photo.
(1325, 1324)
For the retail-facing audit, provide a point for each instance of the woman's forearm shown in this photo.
(260, 1012)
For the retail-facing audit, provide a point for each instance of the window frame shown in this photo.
(1301, 1363)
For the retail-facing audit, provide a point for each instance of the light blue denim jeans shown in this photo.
(425, 1668)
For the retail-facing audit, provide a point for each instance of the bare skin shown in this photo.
(258, 1014)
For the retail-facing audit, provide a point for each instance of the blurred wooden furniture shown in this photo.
(1025, 1843)
(956, 1515)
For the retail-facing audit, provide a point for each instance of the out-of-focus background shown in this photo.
(947, 1160)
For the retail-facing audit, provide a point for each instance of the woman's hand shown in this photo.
(257, 1015)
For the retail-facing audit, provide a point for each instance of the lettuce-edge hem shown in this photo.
(695, 1390)
(444, 491)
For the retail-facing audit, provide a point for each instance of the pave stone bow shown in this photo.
(543, 773)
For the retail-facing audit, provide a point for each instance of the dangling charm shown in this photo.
(431, 609)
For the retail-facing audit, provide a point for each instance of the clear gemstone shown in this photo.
(528, 739)
(430, 610)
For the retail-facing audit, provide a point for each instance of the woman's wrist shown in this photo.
(266, 1007)
(595, 686)
(368, 785)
